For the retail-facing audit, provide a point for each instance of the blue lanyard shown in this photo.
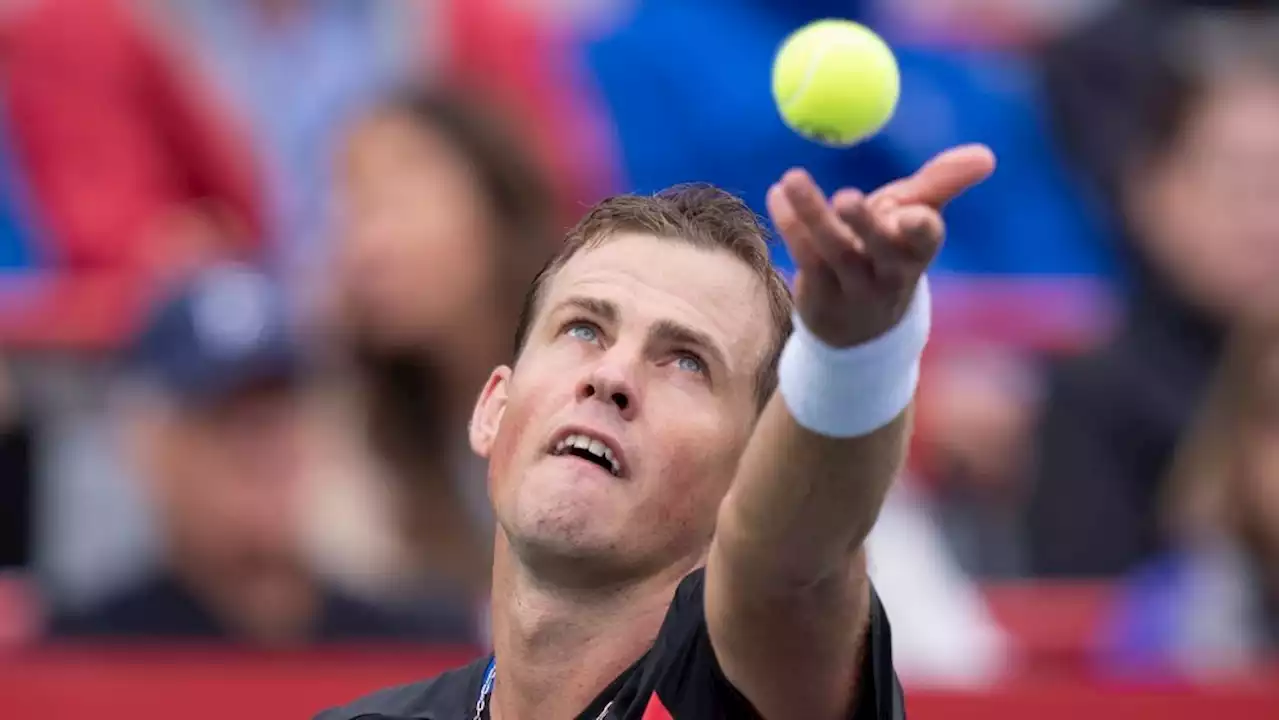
(486, 689)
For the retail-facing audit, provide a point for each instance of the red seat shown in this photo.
(1053, 625)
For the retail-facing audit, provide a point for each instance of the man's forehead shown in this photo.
(654, 259)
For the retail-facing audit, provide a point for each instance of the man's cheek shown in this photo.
(695, 480)
(720, 470)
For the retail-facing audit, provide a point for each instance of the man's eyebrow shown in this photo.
(664, 331)
(603, 309)
(672, 332)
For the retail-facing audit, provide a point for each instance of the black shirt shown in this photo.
(161, 607)
(679, 678)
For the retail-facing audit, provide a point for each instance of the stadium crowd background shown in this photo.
(257, 255)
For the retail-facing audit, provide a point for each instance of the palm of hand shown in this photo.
(859, 257)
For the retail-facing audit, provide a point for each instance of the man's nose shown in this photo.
(612, 380)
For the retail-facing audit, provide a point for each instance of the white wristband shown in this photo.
(848, 392)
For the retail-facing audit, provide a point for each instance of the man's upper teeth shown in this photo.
(595, 447)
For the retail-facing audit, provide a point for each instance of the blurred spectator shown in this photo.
(133, 167)
(1209, 606)
(131, 175)
(15, 477)
(16, 471)
(444, 220)
(18, 234)
(297, 70)
(213, 419)
(1106, 82)
(976, 419)
(1188, 154)
(984, 22)
(944, 633)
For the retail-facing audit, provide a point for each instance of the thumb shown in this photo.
(943, 178)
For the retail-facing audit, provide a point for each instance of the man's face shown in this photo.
(649, 348)
(1206, 212)
(394, 248)
(225, 481)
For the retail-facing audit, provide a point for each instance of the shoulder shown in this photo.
(440, 696)
(154, 606)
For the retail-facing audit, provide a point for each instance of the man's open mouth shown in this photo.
(591, 450)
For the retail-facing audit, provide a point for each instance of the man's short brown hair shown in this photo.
(701, 215)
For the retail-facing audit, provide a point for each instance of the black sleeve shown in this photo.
(446, 696)
(387, 704)
(689, 683)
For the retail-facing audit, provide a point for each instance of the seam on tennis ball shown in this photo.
(811, 69)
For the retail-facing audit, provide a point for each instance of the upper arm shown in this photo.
(791, 653)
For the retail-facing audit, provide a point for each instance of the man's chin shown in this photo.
(571, 554)
(565, 537)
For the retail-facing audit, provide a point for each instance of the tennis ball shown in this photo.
(835, 82)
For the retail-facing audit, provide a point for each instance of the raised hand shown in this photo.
(859, 257)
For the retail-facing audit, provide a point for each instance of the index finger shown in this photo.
(830, 238)
(943, 178)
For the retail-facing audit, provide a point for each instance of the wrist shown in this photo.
(853, 391)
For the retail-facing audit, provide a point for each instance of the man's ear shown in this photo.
(490, 406)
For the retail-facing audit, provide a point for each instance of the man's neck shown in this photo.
(556, 650)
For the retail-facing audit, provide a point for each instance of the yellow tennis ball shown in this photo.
(835, 82)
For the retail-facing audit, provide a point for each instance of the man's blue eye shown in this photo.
(583, 332)
(689, 363)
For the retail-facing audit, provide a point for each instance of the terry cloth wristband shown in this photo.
(848, 392)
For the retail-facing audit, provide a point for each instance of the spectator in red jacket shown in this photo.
(130, 163)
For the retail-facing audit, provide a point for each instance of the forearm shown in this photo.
(802, 503)
(814, 475)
